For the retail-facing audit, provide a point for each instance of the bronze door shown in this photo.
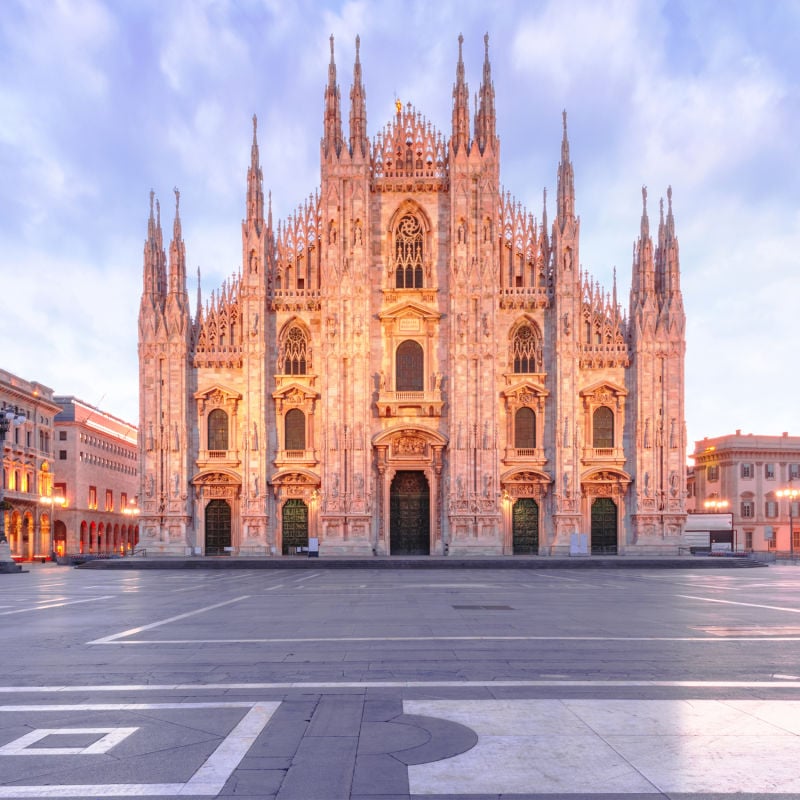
(218, 528)
(604, 526)
(295, 527)
(409, 508)
(525, 527)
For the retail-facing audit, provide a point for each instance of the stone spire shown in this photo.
(566, 181)
(358, 110)
(155, 269)
(485, 118)
(460, 135)
(332, 139)
(643, 299)
(177, 253)
(671, 260)
(255, 192)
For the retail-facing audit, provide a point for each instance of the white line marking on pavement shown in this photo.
(114, 636)
(208, 780)
(193, 687)
(45, 604)
(735, 603)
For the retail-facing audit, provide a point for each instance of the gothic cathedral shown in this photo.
(412, 364)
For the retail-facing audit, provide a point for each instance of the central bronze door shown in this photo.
(409, 509)
(525, 527)
(218, 528)
(604, 526)
(295, 527)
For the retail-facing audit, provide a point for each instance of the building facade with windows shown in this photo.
(411, 363)
(27, 463)
(752, 473)
(96, 481)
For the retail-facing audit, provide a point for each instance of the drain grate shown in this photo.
(484, 608)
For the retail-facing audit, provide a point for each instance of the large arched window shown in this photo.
(410, 367)
(603, 427)
(217, 430)
(295, 356)
(525, 429)
(295, 429)
(526, 350)
(408, 240)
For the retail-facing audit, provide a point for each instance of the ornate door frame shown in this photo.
(413, 448)
(518, 483)
(217, 485)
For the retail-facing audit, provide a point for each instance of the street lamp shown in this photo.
(716, 505)
(8, 416)
(791, 495)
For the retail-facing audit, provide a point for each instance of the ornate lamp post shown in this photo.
(791, 495)
(8, 416)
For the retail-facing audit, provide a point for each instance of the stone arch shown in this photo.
(526, 350)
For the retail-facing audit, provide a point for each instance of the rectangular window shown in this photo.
(748, 540)
(747, 508)
(62, 436)
(60, 489)
(93, 497)
(796, 541)
(109, 500)
(712, 473)
(769, 472)
(794, 471)
(771, 509)
(123, 501)
(62, 455)
(747, 470)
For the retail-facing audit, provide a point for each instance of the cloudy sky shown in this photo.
(102, 101)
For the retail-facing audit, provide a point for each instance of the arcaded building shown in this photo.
(412, 363)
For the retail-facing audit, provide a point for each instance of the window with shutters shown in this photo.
(295, 430)
(217, 430)
(525, 429)
(410, 367)
(603, 427)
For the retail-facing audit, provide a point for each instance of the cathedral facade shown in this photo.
(412, 364)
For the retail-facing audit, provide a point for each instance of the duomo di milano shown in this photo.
(412, 363)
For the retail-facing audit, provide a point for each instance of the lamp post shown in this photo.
(791, 495)
(10, 415)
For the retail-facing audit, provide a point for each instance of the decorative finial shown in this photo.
(331, 48)
(255, 126)
(669, 198)
(564, 120)
(177, 199)
(152, 195)
(486, 44)
(644, 199)
(358, 46)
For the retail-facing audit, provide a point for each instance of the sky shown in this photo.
(100, 102)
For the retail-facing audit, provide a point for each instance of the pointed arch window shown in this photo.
(410, 367)
(525, 429)
(603, 427)
(408, 253)
(526, 350)
(295, 429)
(295, 354)
(217, 430)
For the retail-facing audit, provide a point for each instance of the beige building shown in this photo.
(412, 363)
(97, 476)
(757, 479)
(27, 466)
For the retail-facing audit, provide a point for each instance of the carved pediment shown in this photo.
(294, 478)
(295, 393)
(216, 479)
(603, 392)
(409, 310)
(217, 396)
(525, 392)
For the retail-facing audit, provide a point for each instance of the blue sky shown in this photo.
(102, 101)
